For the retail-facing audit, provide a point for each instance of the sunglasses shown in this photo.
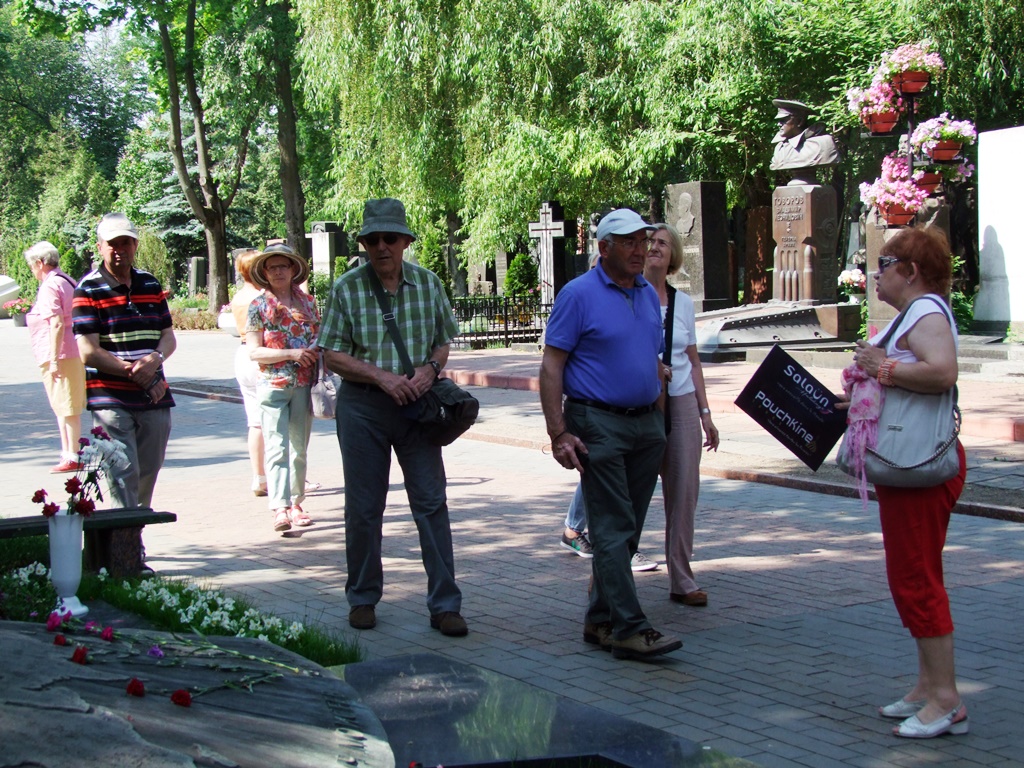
(388, 237)
(884, 262)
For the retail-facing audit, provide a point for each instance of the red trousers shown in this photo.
(914, 524)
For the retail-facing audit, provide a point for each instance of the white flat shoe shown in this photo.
(954, 722)
(902, 709)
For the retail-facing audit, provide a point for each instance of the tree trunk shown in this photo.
(291, 182)
(217, 250)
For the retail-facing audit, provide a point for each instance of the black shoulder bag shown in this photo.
(444, 412)
(667, 357)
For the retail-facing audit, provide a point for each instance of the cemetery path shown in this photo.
(786, 665)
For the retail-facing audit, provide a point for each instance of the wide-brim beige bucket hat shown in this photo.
(258, 271)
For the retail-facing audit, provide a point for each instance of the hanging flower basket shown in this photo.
(942, 137)
(879, 103)
(928, 181)
(913, 81)
(911, 67)
(881, 123)
(894, 192)
(944, 151)
(896, 215)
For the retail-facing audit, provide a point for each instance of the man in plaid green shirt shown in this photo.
(372, 415)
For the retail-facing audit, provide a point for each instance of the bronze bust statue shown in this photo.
(801, 147)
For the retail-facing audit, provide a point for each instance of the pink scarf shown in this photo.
(866, 397)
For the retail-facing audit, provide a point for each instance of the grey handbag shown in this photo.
(917, 435)
(323, 395)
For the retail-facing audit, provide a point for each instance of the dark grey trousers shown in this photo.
(370, 425)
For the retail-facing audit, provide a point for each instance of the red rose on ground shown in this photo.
(51, 509)
(73, 485)
(136, 688)
(55, 619)
(107, 634)
(81, 655)
(60, 640)
(182, 698)
(39, 496)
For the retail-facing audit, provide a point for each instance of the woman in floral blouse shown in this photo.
(281, 334)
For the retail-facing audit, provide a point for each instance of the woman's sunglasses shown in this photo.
(389, 237)
(884, 262)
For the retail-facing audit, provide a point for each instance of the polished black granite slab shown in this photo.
(440, 712)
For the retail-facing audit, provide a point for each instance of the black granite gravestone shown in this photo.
(697, 210)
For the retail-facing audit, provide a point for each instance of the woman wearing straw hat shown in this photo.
(281, 331)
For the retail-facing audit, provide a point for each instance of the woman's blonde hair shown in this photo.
(675, 262)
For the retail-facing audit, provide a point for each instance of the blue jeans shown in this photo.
(370, 424)
(576, 517)
(286, 421)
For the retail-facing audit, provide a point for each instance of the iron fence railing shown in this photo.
(498, 321)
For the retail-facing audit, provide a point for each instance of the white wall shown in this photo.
(1001, 226)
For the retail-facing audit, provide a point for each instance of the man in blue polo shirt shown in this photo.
(601, 354)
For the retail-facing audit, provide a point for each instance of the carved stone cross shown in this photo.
(552, 254)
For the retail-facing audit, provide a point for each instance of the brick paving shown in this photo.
(786, 665)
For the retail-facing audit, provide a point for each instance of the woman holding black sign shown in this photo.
(687, 415)
(919, 357)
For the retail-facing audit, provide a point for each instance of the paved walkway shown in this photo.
(800, 641)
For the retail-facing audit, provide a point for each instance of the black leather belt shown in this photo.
(640, 410)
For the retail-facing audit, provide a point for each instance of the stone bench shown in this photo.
(113, 537)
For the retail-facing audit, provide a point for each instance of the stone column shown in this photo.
(805, 226)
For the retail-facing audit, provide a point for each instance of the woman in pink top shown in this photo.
(55, 349)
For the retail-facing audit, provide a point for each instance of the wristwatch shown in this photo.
(705, 411)
(160, 355)
(436, 366)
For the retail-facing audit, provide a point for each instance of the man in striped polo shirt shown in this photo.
(123, 328)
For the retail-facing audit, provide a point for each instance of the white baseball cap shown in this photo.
(115, 225)
(621, 221)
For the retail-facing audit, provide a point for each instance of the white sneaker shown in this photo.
(641, 562)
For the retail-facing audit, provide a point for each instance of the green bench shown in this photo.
(113, 537)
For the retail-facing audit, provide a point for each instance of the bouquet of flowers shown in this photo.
(17, 307)
(913, 57)
(879, 97)
(95, 457)
(854, 280)
(851, 281)
(942, 128)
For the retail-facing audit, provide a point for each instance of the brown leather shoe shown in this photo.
(362, 617)
(450, 623)
(696, 599)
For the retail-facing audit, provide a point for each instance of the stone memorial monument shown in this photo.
(197, 273)
(697, 209)
(328, 242)
(550, 235)
(805, 222)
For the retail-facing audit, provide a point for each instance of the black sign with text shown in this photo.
(794, 407)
